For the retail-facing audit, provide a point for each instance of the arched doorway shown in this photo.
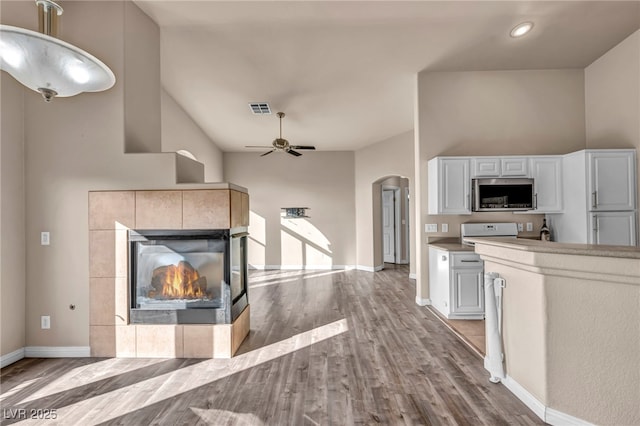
(391, 232)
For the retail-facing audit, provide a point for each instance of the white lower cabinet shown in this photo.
(612, 228)
(467, 292)
(456, 283)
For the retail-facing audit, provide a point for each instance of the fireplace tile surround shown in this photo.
(111, 214)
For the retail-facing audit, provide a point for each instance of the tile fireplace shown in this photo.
(185, 295)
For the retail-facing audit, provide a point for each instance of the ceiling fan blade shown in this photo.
(258, 146)
(267, 153)
(292, 152)
(303, 147)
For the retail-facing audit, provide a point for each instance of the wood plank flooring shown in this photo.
(325, 347)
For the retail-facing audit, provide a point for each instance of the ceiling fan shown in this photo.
(283, 145)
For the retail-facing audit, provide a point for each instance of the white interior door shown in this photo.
(388, 226)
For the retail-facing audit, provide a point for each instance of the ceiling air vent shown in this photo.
(260, 108)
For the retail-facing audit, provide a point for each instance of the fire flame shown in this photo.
(182, 281)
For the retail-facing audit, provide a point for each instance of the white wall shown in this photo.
(12, 212)
(493, 113)
(391, 157)
(322, 181)
(74, 145)
(612, 98)
(179, 131)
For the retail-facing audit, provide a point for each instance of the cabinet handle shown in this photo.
(595, 223)
(535, 201)
(470, 261)
(594, 199)
(444, 258)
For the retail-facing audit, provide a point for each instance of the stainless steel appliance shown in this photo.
(503, 194)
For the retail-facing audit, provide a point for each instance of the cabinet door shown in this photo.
(449, 186)
(514, 167)
(612, 181)
(485, 167)
(467, 291)
(547, 180)
(614, 228)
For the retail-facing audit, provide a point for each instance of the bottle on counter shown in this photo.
(545, 234)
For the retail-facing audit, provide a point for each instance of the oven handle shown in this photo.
(240, 234)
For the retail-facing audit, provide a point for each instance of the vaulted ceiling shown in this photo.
(344, 72)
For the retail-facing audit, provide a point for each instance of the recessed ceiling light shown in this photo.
(521, 29)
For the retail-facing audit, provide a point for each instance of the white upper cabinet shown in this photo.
(546, 172)
(485, 167)
(449, 185)
(514, 166)
(611, 180)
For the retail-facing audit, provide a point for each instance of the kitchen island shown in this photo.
(571, 328)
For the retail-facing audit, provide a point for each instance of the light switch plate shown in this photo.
(444, 227)
(520, 228)
(529, 226)
(45, 322)
(431, 227)
(45, 238)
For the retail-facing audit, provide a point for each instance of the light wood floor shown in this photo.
(326, 347)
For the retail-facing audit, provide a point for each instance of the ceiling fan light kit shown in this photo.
(48, 65)
(282, 145)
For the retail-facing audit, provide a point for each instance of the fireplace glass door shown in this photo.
(185, 276)
(180, 274)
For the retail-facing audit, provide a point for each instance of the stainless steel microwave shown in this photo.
(513, 194)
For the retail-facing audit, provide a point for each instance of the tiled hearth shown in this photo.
(111, 215)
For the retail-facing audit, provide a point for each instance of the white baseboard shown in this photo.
(57, 352)
(555, 417)
(546, 414)
(523, 395)
(11, 357)
(413, 276)
(301, 267)
(422, 302)
(370, 268)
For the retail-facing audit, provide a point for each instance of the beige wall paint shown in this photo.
(12, 212)
(612, 98)
(391, 157)
(179, 131)
(142, 131)
(493, 113)
(74, 145)
(322, 181)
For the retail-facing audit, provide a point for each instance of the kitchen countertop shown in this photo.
(450, 244)
(599, 250)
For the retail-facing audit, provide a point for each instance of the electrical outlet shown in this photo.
(45, 238)
(445, 227)
(520, 228)
(431, 227)
(529, 226)
(45, 322)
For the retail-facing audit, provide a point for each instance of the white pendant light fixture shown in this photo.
(48, 65)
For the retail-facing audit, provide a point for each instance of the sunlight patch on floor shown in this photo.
(90, 373)
(296, 278)
(130, 398)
